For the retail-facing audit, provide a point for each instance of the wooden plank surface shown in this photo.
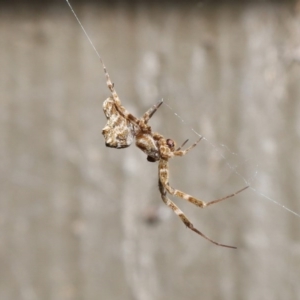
(73, 213)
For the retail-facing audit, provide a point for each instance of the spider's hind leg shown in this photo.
(116, 100)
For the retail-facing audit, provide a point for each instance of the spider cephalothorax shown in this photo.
(120, 131)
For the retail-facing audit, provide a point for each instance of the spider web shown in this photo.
(249, 181)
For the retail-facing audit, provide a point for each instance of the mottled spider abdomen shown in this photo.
(118, 131)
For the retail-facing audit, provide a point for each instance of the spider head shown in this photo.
(118, 131)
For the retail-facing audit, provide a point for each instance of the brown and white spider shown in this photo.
(121, 130)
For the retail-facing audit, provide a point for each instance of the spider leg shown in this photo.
(164, 180)
(150, 112)
(226, 197)
(110, 85)
(179, 148)
(180, 152)
(182, 216)
(197, 202)
(121, 109)
(164, 177)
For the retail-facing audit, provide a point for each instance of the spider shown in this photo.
(123, 128)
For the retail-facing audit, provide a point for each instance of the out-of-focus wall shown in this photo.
(75, 215)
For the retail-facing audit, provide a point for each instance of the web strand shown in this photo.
(72, 10)
(231, 167)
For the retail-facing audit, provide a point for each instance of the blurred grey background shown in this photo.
(82, 221)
